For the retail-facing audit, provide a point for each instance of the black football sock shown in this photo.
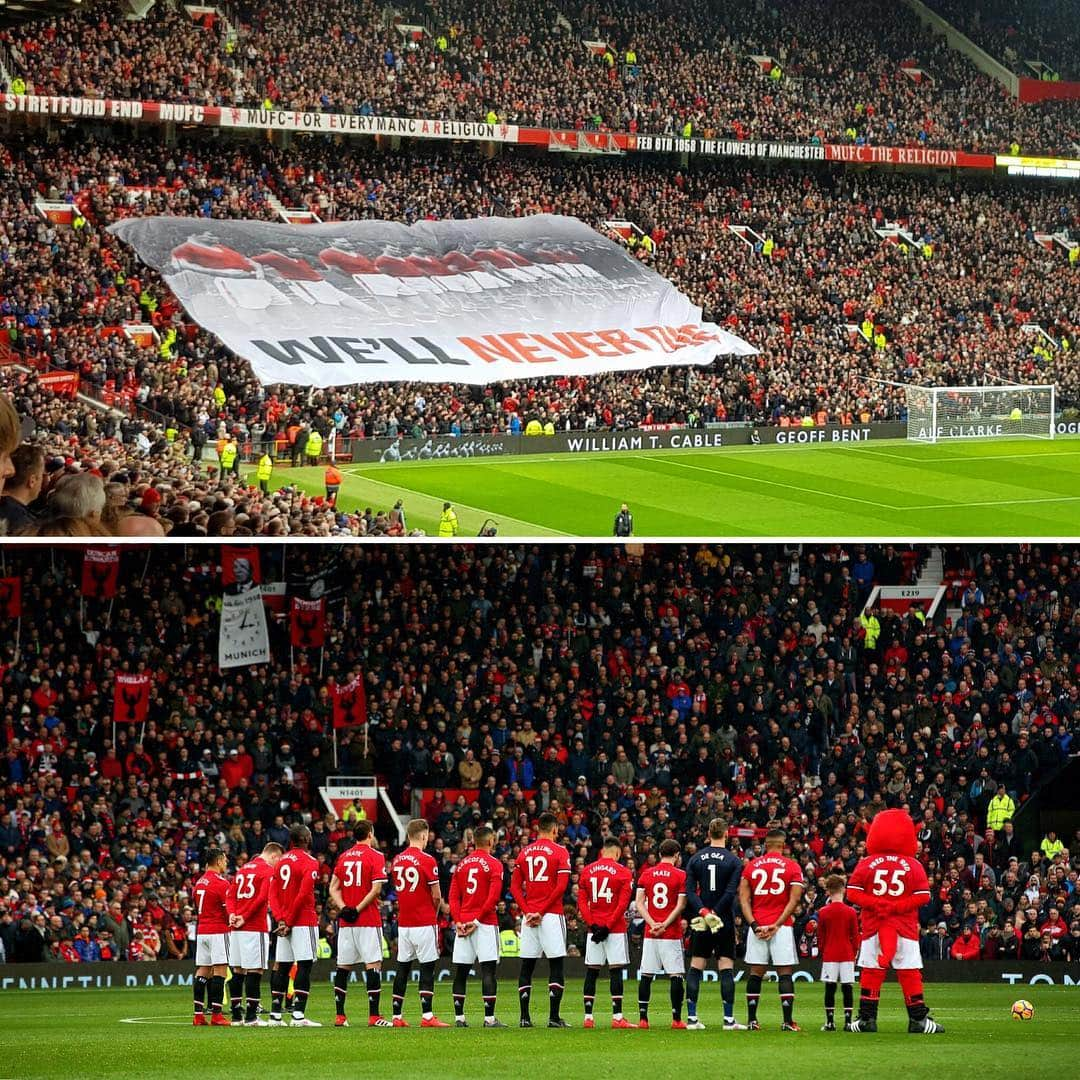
(427, 989)
(279, 983)
(753, 994)
(727, 994)
(693, 988)
(678, 991)
(556, 983)
(236, 996)
(217, 993)
(401, 980)
(787, 998)
(528, 966)
(341, 990)
(644, 992)
(461, 975)
(830, 1002)
(253, 991)
(374, 990)
(616, 982)
(301, 986)
(490, 985)
(847, 990)
(199, 984)
(589, 989)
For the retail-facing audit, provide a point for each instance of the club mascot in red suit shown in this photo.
(889, 886)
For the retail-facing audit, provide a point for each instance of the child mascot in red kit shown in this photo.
(889, 886)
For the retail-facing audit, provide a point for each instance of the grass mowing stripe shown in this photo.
(776, 483)
(488, 512)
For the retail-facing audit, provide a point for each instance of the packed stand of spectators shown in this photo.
(1014, 31)
(638, 696)
(950, 304)
(838, 76)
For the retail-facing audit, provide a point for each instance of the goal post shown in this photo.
(940, 413)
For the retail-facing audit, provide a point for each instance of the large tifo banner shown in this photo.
(452, 301)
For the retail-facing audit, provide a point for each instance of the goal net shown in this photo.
(936, 413)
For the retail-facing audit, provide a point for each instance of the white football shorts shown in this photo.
(548, 939)
(779, 950)
(480, 947)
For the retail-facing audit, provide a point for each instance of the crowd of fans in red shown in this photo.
(951, 303)
(639, 696)
(688, 62)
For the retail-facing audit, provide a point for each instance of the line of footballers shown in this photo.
(235, 923)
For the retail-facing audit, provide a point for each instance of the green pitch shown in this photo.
(148, 1033)
(1014, 488)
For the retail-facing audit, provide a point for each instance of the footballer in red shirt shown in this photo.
(889, 886)
(292, 901)
(414, 875)
(355, 889)
(838, 945)
(661, 897)
(772, 886)
(604, 891)
(475, 891)
(249, 940)
(211, 938)
(538, 884)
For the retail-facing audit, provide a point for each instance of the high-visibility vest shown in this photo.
(873, 629)
(767, 247)
(448, 525)
(928, 251)
(687, 130)
(442, 42)
(266, 467)
(1051, 847)
(324, 952)
(314, 444)
(170, 434)
(879, 341)
(648, 244)
(492, 116)
(18, 85)
(228, 455)
(631, 56)
(219, 396)
(534, 427)
(1074, 253)
(509, 943)
(549, 428)
(1000, 810)
(776, 74)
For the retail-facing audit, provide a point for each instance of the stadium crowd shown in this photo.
(946, 304)
(636, 695)
(688, 68)
(1014, 32)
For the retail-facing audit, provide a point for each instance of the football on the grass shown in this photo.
(1022, 1010)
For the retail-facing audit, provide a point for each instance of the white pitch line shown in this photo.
(909, 460)
(997, 502)
(457, 502)
(774, 483)
(160, 1021)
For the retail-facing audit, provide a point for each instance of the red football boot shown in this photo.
(622, 1022)
(400, 1021)
(433, 1021)
(589, 1024)
(220, 1020)
(199, 1020)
